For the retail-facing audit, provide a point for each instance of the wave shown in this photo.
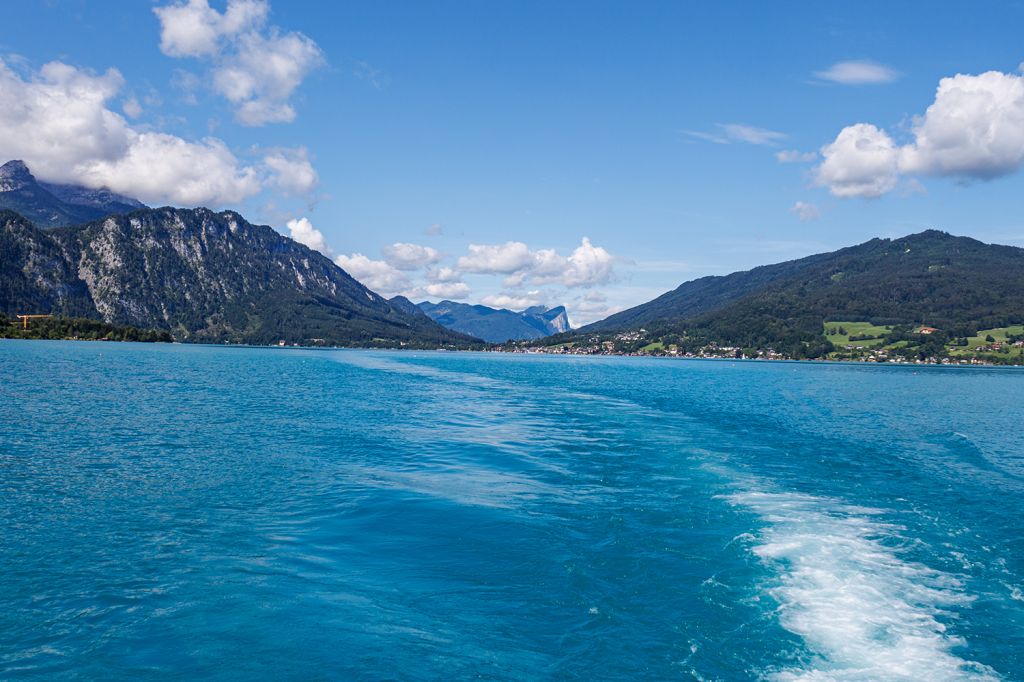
(843, 585)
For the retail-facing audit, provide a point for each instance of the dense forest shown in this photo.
(77, 328)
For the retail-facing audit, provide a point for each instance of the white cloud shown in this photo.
(496, 258)
(794, 156)
(194, 29)
(858, 72)
(443, 274)
(861, 162)
(805, 211)
(515, 301)
(434, 230)
(738, 132)
(291, 171)
(264, 72)
(455, 291)
(303, 232)
(156, 167)
(59, 116)
(254, 67)
(378, 275)
(586, 266)
(974, 129)
(58, 121)
(404, 256)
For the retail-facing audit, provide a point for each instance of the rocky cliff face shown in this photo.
(555, 320)
(205, 276)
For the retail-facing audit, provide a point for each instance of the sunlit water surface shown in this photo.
(203, 512)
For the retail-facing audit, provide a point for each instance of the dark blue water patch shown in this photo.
(237, 513)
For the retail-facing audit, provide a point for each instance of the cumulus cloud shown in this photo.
(455, 291)
(303, 232)
(156, 167)
(858, 72)
(794, 156)
(805, 211)
(588, 265)
(727, 133)
(515, 301)
(58, 120)
(194, 29)
(861, 162)
(376, 274)
(255, 67)
(389, 276)
(974, 129)
(404, 256)
(443, 274)
(496, 258)
(290, 170)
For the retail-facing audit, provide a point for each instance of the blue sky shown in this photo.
(622, 148)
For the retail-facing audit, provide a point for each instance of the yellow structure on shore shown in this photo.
(26, 318)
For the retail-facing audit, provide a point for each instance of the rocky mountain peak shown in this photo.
(15, 175)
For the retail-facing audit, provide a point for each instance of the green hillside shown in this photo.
(957, 285)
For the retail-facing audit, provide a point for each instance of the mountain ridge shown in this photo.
(496, 325)
(957, 284)
(205, 276)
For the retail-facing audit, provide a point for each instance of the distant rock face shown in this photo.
(202, 275)
(498, 325)
(557, 319)
(52, 205)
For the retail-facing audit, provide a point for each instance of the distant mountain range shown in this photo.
(204, 276)
(955, 284)
(51, 205)
(214, 277)
(498, 325)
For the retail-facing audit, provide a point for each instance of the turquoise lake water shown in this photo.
(230, 513)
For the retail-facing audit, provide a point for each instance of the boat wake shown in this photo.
(843, 585)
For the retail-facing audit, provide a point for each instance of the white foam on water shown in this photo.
(863, 611)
